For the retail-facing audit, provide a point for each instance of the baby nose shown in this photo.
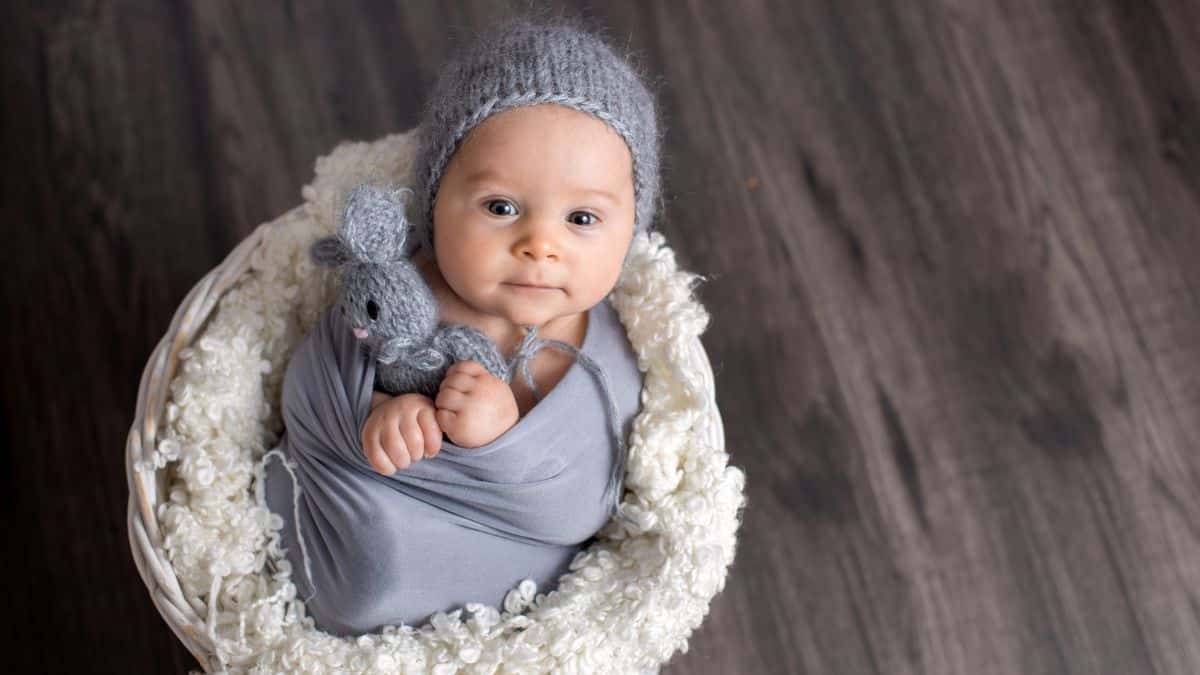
(537, 245)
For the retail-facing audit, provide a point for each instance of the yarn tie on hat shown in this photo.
(529, 346)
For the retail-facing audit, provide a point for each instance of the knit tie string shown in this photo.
(529, 346)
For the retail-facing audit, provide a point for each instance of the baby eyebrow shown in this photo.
(610, 197)
(483, 176)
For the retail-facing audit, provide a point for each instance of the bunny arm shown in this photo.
(464, 343)
(419, 370)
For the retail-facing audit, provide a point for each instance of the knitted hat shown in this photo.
(527, 63)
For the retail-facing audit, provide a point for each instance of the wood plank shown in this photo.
(950, 250)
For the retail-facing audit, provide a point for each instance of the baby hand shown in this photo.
(400, 431)
(474, 407)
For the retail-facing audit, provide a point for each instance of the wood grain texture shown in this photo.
(952, 256)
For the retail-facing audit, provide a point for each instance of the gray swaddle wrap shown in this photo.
(464, 526)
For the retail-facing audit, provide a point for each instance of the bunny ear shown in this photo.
(329, 252)
(374, 224)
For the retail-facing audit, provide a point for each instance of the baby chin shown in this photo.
(527, 305)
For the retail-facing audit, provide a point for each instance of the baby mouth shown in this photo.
(360, 333)
(531, 287)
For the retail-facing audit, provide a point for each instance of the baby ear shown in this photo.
(329, 252)
(374, 225)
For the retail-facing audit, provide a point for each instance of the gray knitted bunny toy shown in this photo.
(388, 304)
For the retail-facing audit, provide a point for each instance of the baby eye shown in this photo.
(591, 218)
(503, 202)
(372, 310)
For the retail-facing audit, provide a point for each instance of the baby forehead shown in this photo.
(499, 172)
(547, 134)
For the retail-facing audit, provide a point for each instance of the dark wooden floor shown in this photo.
(954, 261)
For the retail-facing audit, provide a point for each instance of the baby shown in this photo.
(537, 164)
(524, 235)
(532, 218)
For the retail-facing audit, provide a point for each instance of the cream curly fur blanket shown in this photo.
(630, 601)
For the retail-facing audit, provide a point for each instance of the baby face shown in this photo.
(534, 214)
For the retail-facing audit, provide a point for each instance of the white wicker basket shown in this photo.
(687, 498)
(147, 486)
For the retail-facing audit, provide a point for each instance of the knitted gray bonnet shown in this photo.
(523, 63)
(530, 62)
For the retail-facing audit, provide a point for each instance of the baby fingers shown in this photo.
(414, 438)
(394, 444)
(450, 399)
(445, 419)
(373, 449)
(431, 430)
(460, 381)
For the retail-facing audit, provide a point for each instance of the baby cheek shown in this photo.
(593, 282)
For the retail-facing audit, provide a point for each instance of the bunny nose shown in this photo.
(360, 333)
